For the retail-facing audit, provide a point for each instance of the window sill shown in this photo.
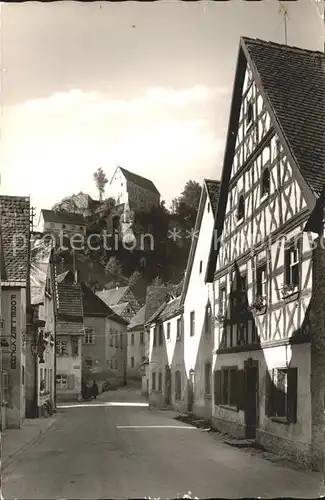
(290, 297)
(280, 420)
(230, 408)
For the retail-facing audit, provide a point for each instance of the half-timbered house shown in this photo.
(261, 254)
(197, 300)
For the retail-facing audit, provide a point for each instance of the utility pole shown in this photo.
(284, 10)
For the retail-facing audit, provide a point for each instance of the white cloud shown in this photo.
(50, 147)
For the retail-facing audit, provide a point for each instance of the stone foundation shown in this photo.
(234, 429)
(291, 450)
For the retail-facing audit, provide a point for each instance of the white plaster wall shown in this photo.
(70, 365)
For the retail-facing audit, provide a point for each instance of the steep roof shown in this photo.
(70, 300)
(61, 277)
(113, 296)
(292, 82)
(69, 327)
(139, 180)
(41, 249)
(63, 217)
(119, 308)
(15, 226)
(163, 303)
(155, 298)
(94, 306)
(138, 319)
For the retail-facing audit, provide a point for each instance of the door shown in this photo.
(190, 398)
(251, 391)
(168, 386)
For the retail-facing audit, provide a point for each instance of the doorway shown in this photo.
(251, 396)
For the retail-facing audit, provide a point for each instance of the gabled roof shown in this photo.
(120, 308)
(292, 82)
(155, 298)
(138, 319)
(41, 249)
(70, 300)
(113, 296)
(139, 180)
(15, 226)
(63, 217)
(168, 307)
(94, 306)
(209, 192)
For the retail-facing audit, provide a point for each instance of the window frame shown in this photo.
(179, 329)
(241, 209)
(265, 193)
(62, 377)
(291, 248)
(89, 337)
(290, 398)
(168, 331)
(192, 323)
(178, 385)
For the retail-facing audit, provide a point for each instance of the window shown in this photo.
(242, 290)
(208, 317)
(132, 338)
(62, 381)
(81, 227)
(89, 336)
(155, 335)
(62, 348)
(207, 378)
(222, 301)
(132, 362)
(161, 336)
(168, 330)
(292, 266)
(75, 346)
(201, 266)
(111, 343)
(261, 283)
(52, 224)
(228, 386)
(121, 340)
(250, 114)
(281, 394)
(116, 364)
(111, 364)
(116, 339)
(73, 227)
(159, 381)
(241, 208)
(89, 362)
(63, 226)
(192, 323)
(141, 338)
(265, 187)
(179, 329)
(178, 386)
(153, 381)
(208, 207)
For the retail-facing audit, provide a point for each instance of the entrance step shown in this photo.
(241, 443)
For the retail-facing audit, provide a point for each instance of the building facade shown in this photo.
(132, 189)
(273, 173)
(136, 352)
(62, 223)
(104, 343)
(198, 302)
(69, 338)
(15, 290)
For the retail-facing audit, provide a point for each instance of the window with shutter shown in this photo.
(292, 395)
(281, 394)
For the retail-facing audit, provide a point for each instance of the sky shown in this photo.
(145, 86)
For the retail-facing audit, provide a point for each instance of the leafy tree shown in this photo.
(187, 204)
(113, 268)
(100, 181)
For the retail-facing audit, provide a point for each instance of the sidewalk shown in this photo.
(16, 440)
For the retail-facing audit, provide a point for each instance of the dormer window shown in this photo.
(265, 187)
(241, 208)
(250, 114)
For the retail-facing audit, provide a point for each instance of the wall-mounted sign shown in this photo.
(13, 332)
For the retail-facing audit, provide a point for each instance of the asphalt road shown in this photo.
(111, 450)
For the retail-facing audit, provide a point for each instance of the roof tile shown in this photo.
(63, 217)
(139, 180)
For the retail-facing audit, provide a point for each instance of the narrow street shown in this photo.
(104, 449)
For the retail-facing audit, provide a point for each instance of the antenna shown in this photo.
(284, 10)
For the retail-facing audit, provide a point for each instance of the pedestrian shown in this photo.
(95, 390)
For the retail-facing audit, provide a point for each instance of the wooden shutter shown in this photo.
(240, 389)
(287, 265)
(217, 387)
(292, 395)
(70, 381)
(268, 392)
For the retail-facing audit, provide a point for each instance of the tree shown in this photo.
(100, 181)
(191, 194)
(113, 268)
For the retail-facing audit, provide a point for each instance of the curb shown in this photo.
(29, 443)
